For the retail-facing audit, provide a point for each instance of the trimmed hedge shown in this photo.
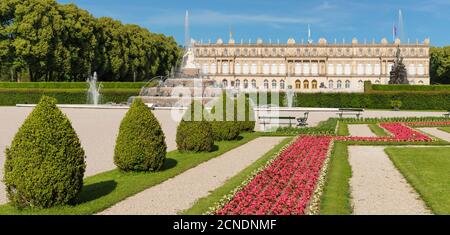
(140, 145)
(411, 87)
(196, 136)
(327, 127)
(45, 164)
(225, 130)
(70, 85)
(13, 96)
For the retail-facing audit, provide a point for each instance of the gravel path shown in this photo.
(436, 132)
(377, 187)
(180, 192)
(96, 128)
(362, 130)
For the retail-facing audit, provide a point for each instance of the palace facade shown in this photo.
(309, 67)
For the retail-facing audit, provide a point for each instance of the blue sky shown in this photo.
(281, 19)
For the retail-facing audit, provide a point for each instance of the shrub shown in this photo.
(45, 164)
(140, 145)
(225, 130)
(195, 135)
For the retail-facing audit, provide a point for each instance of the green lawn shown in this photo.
(446, 129)
(335, 199)
(108, 188)
(377, 130)
(203, 204)
(428, 171)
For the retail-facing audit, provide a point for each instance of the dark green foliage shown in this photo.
(225, 130)
(440, 65)
(194, 133)
(45, 164)
(411, 88)
(327, 127)
(70, 85)
(140, 145)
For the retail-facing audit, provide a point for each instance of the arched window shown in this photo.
(282, 69)
(253, 69)
(420, 82)
(238, 52)
(224, 83)
(237, 68)
(420, 70)
(245, 83)
(274, 84)
(274, 69)
(245, 69)
(306, 84)
(266, 68)
(237, 83)
(225, 68)
(297, 68)
(225, 52)
(339, 69)
(205, 69)
(360, 84)
(266, 84)
(282, 84)
(330, 84)
(298, 84)
(347, 84)
(253, 83)
(314, 69)
(330, 69)
(377, 82)
(213, 68)
(314, 84)
(339, 84)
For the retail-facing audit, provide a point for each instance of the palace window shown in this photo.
(377, 82)
(360, 69)
(245, 52)
(213, 52)
(225, 68)
(245, 69)
(253, 52)
(306, 84)
(282, 69)
(224, 83)
(339, 69)
(205, 52)
(266, 84)
(205, 68)
(253, 83)
(266, 52)
(314, 84)
(274, 69)
(253, 69)
(339, 84)
(330, 69)
(274, 52)
(238, 83)
(314, 69)
(305, 68)
(347, 84)
(420, 70)
(412, 69)
(213, 68)
(347, 69)
(238, 52)
(360, 84)
(237, 68)
(390, 65)
(298, 52)
(298, 84)
(274, 84)
(421, 82)
(266, 68)
(377, 69)
(245, 83)
(330, 84)
(282, 52)
(297, 68)
(282, 84)
(225, 52)
(369, 69)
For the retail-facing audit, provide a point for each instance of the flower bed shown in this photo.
(289, 182)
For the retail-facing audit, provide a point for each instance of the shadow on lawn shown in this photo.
(168, 164)
(94, 191)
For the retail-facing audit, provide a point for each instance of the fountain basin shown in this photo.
(83, 106)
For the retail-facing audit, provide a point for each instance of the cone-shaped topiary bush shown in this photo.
(140, 145)
(45, 164)
(194, 133)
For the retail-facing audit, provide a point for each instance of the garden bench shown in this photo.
(447, 114)
(302, 120)
(350, 111)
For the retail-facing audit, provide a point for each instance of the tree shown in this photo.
(440, 65)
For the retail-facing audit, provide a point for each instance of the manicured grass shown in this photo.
(377, 130)
(342, 129)
(203, 204)
(335, 199)
(427, 170)
(446, 129)
(106, 189)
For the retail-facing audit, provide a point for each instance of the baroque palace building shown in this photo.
(309, 67)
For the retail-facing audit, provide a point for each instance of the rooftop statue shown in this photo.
(398, 74)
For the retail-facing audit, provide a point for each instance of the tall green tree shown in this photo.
(440, 65)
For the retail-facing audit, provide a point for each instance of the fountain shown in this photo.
(93, 93)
